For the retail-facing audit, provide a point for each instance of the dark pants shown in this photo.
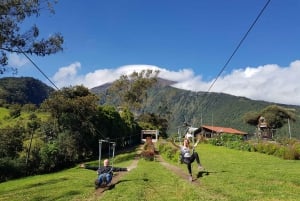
(189, 160)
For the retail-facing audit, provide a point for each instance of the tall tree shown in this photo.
(12, 40)
(74, 109)
(274, 115)
(132, 89)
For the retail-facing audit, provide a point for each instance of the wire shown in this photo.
(236, 49)
(240, 43)
(36, 66)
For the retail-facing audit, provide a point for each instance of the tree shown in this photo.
(74, 110)
(12, 40)
(11, 141)
(152, 121)
(274, 115)
(132, 89)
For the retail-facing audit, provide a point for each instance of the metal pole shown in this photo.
(113, 156)
(100, 148)
(289, 128)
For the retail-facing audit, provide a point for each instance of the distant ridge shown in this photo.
(160, 83)
(196, 108)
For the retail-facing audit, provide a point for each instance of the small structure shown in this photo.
(212, 131)
(263, 129)
(147, 135)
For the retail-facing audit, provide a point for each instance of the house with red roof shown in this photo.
(211, 131)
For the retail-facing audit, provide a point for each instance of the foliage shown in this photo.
(23, 90)
(12, 14)
(276, 116)
(148, 152)
(66, 132)
(11, 142)
(132, 89)
(287, 149)
(201, 108)
(169, 151)
(74, 109)
(151, 121)
(11, 168)
(15, 111)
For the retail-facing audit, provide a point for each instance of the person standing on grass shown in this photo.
(105, 172)
(188, 156)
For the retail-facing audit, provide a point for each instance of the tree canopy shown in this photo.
(132, 89)
(276, 116)
(14, 40)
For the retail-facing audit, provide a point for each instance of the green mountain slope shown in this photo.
(199, 108)
(23, 90)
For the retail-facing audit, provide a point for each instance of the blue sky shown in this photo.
(188, 41)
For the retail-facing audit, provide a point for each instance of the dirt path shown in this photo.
(181, 173)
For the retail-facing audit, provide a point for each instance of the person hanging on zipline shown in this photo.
(188, 156)
(105, 172)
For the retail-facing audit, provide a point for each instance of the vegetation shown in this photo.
(177, 106)
(69, 133)
(63, 129)
(276, 116)
(132, 89)
(12, 14)
(285, 148)
(23, 90)
(230, 175)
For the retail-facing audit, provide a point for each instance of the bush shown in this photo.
(168, 151)
(286, 148)
(10, 169)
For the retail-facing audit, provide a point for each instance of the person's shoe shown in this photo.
(190, 178)
(97, 184)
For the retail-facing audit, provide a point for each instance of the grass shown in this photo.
(240, 175)
(232, 175)
(6, 120)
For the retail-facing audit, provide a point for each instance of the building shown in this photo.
(212, 131)
(149, 134)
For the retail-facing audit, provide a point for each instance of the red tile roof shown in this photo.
(218, 129)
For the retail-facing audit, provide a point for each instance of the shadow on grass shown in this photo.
(54, 197)
(206, 173)
(112, 185)
(51, 181)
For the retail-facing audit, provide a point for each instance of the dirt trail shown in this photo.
(178, 171)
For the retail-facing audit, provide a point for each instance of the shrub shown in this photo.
(10, 169)
(148, 152)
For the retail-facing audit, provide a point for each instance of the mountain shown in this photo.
(23, 90)
(176, 105)
(202, 108)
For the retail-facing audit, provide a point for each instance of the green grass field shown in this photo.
(6, 120)
(232, 175)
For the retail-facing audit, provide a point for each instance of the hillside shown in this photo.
(23, 90)
(176, 105)
(198, 108)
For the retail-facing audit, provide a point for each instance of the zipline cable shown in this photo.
(36, 66)
(236, 49)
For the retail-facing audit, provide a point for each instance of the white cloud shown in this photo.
(16, 60)
(67, 75)
(269, 82)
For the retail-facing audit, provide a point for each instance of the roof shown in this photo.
(219, 129)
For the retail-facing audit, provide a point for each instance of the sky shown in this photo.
(188, 41)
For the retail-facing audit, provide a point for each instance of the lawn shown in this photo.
(6, 120)
(232, 175)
